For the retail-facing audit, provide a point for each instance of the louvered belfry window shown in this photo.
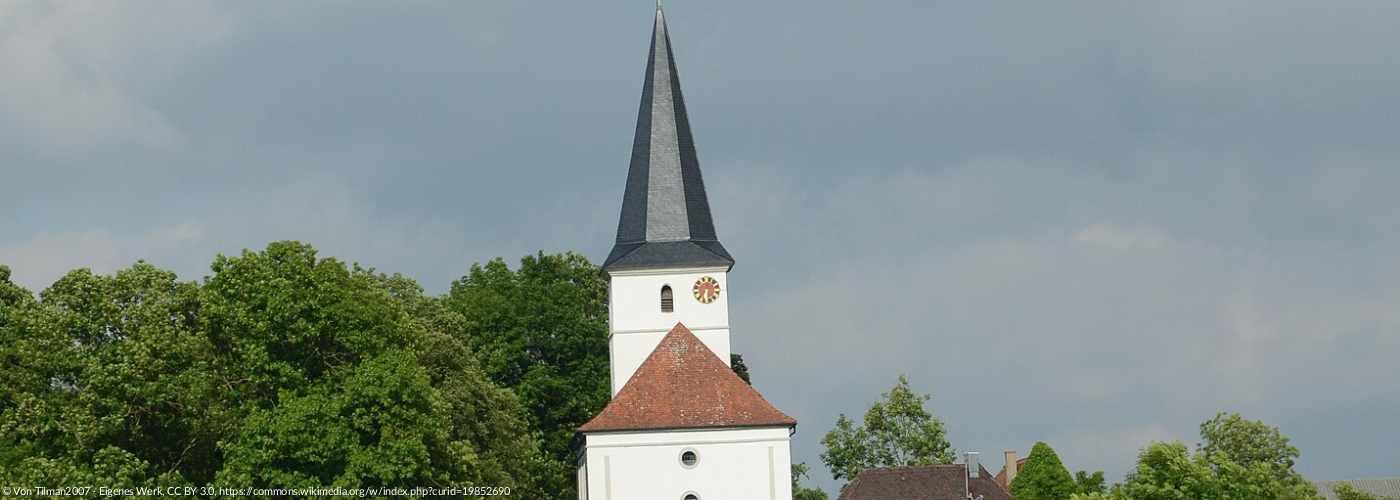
(668, 302)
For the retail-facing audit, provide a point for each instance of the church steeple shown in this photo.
(681, 425)
(665, 220)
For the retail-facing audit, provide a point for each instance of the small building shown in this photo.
(924, 482)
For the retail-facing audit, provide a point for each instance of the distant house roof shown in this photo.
(1382, 487)
(927, 482)
(1001, 476)
(681, 385)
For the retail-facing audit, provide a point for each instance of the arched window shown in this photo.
(668, 302)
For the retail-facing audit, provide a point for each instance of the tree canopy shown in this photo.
(1349, 492)
(1237, 459)
(1249, 444)
(736, 362)
(896, 431)
(799, 492)
(1086, 483)
(1042, 477)
(541, 331)
(280, 369)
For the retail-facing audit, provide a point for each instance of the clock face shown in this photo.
(706, 290)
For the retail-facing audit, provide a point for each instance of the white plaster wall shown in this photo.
(637, 324)
(635, 300)
(583, 481)
(734, 464)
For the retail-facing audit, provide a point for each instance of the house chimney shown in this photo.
(1010, 467)
(970, 462)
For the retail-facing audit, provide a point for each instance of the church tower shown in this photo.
(667, 266)
(681, 424)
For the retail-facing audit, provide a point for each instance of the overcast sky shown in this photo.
(1093, 224)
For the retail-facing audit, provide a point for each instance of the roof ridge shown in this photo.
(901, 467)
(921, 481)
(1391, 478)
(682, 384)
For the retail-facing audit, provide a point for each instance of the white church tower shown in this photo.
(681, 425)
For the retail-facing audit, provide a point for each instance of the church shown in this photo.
(681, 424)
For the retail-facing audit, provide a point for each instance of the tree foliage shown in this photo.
(12, 296)
(896, 431)
(541, 331)
(1237, 459)
(799, 492)
(280, 369)
(100, 382)
(736, 362)
(1167, 471)
(1348, 492)
(1042, 477)
(1249, 444)
(1086, 483)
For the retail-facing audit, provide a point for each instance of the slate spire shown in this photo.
(665, 214)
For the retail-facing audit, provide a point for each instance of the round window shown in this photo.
(691, 496)
(688, 460)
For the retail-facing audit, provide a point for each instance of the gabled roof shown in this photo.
(684, 385)
(1001, 475)
(923, 482)
(665, 218)
(1386, 487)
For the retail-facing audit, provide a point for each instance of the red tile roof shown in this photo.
(1001, 476)
(683, 384)
(925, 482)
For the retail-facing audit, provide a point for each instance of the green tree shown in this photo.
(1086, 483)
(11, 295)
(1348, 492)
(488, 417)
(1167, 471)
(1249, 443)
(541, 331)
(1043, 477)
(1258, 449)
(378, 425)
(16, 305)
(332, 386)
(896, 431)
(799, 492)
(102, 380)
(736, 361)
(281, 369)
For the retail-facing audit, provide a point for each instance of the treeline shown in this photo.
(1236, 459)
(284, 369)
